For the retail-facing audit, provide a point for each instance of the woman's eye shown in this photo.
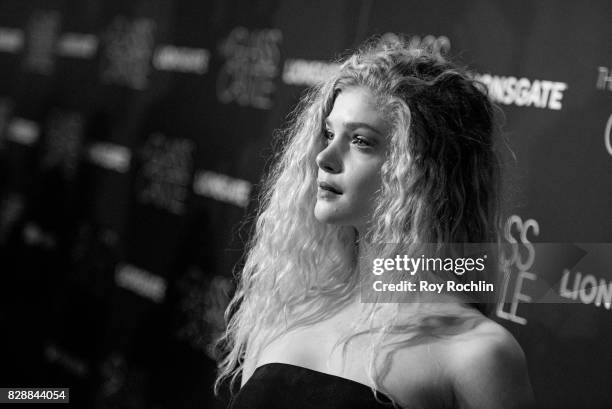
(328, 135)
(361, 142)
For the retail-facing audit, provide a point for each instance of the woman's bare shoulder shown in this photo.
(487, 369)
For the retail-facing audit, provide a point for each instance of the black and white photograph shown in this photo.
(306, 204)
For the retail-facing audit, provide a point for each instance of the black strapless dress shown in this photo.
(286, 386)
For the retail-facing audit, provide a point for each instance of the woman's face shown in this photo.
(355, 144)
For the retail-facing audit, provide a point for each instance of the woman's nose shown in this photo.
(328, 159)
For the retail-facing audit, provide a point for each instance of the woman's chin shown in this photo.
(325, 214)
(324, 218)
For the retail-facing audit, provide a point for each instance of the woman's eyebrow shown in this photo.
(355, 125)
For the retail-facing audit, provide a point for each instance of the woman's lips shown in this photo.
(324, 194)
(329, 188)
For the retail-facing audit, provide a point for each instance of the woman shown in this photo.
(398, 147)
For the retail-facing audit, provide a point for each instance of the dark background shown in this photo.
(134, 133)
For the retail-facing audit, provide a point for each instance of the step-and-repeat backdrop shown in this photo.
(133, 135)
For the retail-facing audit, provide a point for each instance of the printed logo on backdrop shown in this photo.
(608, 135)
(11, 210)
(437, 44)
(77, 45)
(141, 282)
(604, 79)
(604, 83)
(181, 59)
(222, 187)
(308, 73)
(549, 272)
(113, 371)
(41, 33)
(35, 236)
(127, 48)
(164, 177)
(520, 259)
(524, 92)
(23, 131)
(54, 354)
(62, 148)
(203, 301)
(6, 109)
(586, 288)
(110, 156)
(252, 59)
(11, 39)
(121, 384)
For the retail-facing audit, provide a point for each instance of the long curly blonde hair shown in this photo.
(440, 184)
